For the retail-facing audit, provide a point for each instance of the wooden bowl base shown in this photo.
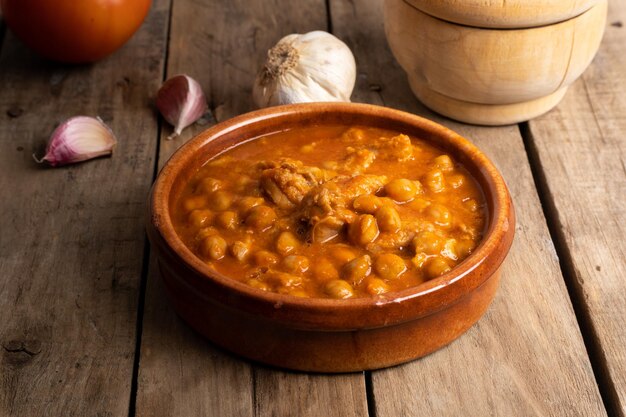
(485, 114)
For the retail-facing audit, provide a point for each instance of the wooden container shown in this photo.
(485, 75)
(327, 335)
(510, 14)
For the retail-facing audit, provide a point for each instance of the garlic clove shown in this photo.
(181, 102)
(78, 139)
(315, 66)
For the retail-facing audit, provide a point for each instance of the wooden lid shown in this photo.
(503, 13)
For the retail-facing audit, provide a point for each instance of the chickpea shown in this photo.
(252, 188)
(367, 203)
(464, 247)
(388, 219)
(227, 220)
(450, 250)
(427, 242)
(440, 215)
(289, 280)
(213, 247)
(208, 185)
(330, 165)
(261, 217)
(286, 243)
(240, 250)
(419, 259)
(386, 201)
(339, 289)
(194, 202)
(455, 180)
(347, 215)
(242, 182)
(343, 254)
(363, 230)
(220, 200)
(434, 181)
(389, 266)
(419, 203)
(307, 148)
(471, 204)
(469, 231)
(298, 292)
(256, 283)
(357, 269)
(376, 286)
(326, 229)
(247, 203)
(324, 270)
(354, 134)
(444, 163)
(296, 264)
(256, 190)
(436, 266)
(205, 232)
(401, 189)
(284, 280)
(199, 218)
(265, 258)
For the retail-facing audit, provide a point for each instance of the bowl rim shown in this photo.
(314, 311)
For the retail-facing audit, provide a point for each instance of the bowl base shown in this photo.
(485, 114)
(352, 350)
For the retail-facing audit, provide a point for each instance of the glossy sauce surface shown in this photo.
(332, 212)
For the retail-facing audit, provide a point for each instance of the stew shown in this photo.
(330, 211)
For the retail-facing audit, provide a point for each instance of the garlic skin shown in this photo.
(78, 139)
(181, 102)
(305, 68)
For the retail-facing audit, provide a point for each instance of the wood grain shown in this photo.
(581, 151)
(181, 374)
(491, 76)
(503, 14)
(526, 357)
(281, 393)
(72, 238)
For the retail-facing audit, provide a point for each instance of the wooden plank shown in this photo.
(181, 374)
(526, 357)
(298, 394)
(581, 152)
(72, 238)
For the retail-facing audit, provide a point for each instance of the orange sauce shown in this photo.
(332, 212)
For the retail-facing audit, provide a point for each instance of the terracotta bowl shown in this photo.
(328, 335)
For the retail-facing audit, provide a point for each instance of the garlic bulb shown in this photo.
(181, 102)
(315, 66)
(78, 139)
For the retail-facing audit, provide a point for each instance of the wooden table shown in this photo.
(85, 329)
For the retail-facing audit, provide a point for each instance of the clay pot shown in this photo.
(328, 335)
(485, 75)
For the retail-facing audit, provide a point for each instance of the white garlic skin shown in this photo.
(79, 139)
(312, 67)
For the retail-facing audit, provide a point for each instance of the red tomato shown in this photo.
(74, 30)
